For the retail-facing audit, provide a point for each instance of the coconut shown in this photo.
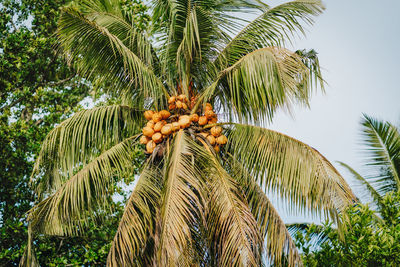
(209, 114)
(159, 125)
(213, 120)
(147, 131)
(194, 117)
(150, 124)
(156, 117)
(150, 146)
(165, 114)
(182, 97)
(144, 140)
(216, 149)
(179, 104)
(175, 126)
(171, 99)
(166, 129)
(148, 114)
(184, 121)
(216, 131)
(211, 139)
(184, 106)
(157, 137)
(208, 107)
(172, 106)
(222, 140)
(203, 120)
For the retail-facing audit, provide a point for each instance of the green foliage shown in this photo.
(368, 242)
(37, 91)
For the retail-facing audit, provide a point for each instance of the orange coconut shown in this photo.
(157, 137)
(203, 120)
(150, 146)
(144, 140)
(148, 114)
(165, 114)
(147, 131)
(222, 140)
(216, 131)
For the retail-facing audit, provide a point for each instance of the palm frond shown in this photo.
(182, 200)
(317, 235)
(279, 243)
(234, 235)
(99, 55)
(366, 185)
(260, 83)
(294, 170)
(29, 259)
(382, 142)
(137, 224)
(79, 139)
(86, 193)
(271, 28)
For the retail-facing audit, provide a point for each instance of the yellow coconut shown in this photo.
(172, 106)
(175, 126)
(166, 129)
(179, 104)
(213, 120)
(159, 125)
(203, 120)
(184, 121)
(165, 114)
(150, 124)
(211, 139)
(194, 117)
(156, 117)
(157, 137)
(147, 131)
(216, 148)
(148, 114)
(171, 99)
(216, 131)
(209, 114)
(222, 140)
(150, 146)
(144, 140)
(182, 97)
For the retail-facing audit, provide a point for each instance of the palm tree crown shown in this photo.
(195, 203)
(381, 140)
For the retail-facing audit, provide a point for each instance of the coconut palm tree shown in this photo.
(381, 140)
(198, 201)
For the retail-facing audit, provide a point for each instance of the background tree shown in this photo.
(374, 233)
(37, 91)
(195, 203)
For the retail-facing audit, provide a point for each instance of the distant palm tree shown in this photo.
(381, 141)
(195, 203)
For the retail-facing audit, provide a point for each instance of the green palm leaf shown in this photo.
(279, 243)
(260, 83)
(372, 192)
(68, 210)
(271, 28)
(382, 141)
(233, 231)
(79, 139)
(291, 168)
(138, 221)
(181, 199)
(87, 45)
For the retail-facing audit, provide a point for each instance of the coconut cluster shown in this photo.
(162, 124)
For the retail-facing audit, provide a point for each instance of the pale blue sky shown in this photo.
(358, 46)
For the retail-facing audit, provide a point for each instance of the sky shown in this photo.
(357, 42)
